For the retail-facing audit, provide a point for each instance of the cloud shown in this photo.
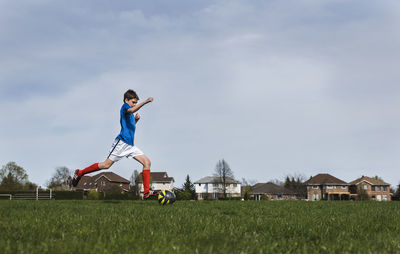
(272, 87)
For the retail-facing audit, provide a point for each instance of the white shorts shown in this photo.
(120, 149)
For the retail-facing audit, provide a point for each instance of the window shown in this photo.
(384, 188)
(372, 188)
(234, 185)
(343, 187)
(378, 188)
(293, 197)
(385, 197)
(365, 187)
(315, 186)
(315, 196)
(329, 186)
(84, 183)
(199, 184)
(120, 184)
(279, 196)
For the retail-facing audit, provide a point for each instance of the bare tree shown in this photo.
(223, 173)
(133, 180)
(246, 188)
(61, 178)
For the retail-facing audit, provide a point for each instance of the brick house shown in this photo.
(210, 187)
(104, 181)
(158, 181)
(272, 191)
(327, 187)
(376, 189)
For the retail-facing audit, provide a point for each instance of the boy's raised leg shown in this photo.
(92, 168)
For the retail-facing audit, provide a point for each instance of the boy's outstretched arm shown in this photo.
(138, 106)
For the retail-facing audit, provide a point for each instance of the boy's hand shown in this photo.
(150, 99)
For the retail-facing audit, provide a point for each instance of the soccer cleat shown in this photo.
(149, 194)
(76, 178)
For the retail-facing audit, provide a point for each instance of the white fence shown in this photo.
(30, 195)
(6, 195)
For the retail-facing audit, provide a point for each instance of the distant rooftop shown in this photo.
(325, 179)
(160, 177)
(370, 180)
(270, 188)
(215, 179)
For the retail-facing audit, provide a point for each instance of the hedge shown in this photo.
(67, 195)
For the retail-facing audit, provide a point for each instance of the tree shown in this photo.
(223, 173)
(30, 186)
(362, 194)
(134, 178)
(61, 178)
(12, 177)
(246, 185)
(296, 184)
(396, 194)
(188, 187)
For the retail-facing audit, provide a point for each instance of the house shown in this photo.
(327, 187)
(211, 187)
(103, 182)
(374, 188)
(271, 191)
(158, 181)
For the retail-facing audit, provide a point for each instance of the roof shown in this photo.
(369, 180)
(270, 188)
(215, 179)
(86, 182)
(111, 176)
(160, 177)
(90, 182)
(325, 179)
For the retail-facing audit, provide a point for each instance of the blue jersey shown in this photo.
(128, 125)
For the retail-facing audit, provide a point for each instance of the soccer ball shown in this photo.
(166, 197)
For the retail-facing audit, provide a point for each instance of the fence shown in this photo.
(6, 195)
(30, 195)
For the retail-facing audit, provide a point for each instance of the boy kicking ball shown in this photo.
(123, 145)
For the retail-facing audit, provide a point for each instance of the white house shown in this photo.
(211, 187)
(158, 181)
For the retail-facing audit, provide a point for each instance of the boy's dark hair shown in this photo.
(130, 94)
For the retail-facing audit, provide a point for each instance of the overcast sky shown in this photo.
(275, 88)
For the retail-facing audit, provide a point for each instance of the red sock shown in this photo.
(89, 169)
(146, 180)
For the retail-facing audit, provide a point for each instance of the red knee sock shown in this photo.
(89, 169)
(146, 180)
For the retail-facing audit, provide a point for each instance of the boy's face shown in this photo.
(131, 102)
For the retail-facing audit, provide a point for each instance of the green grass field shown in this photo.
(199, 227)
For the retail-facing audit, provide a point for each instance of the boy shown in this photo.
(123, 145)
